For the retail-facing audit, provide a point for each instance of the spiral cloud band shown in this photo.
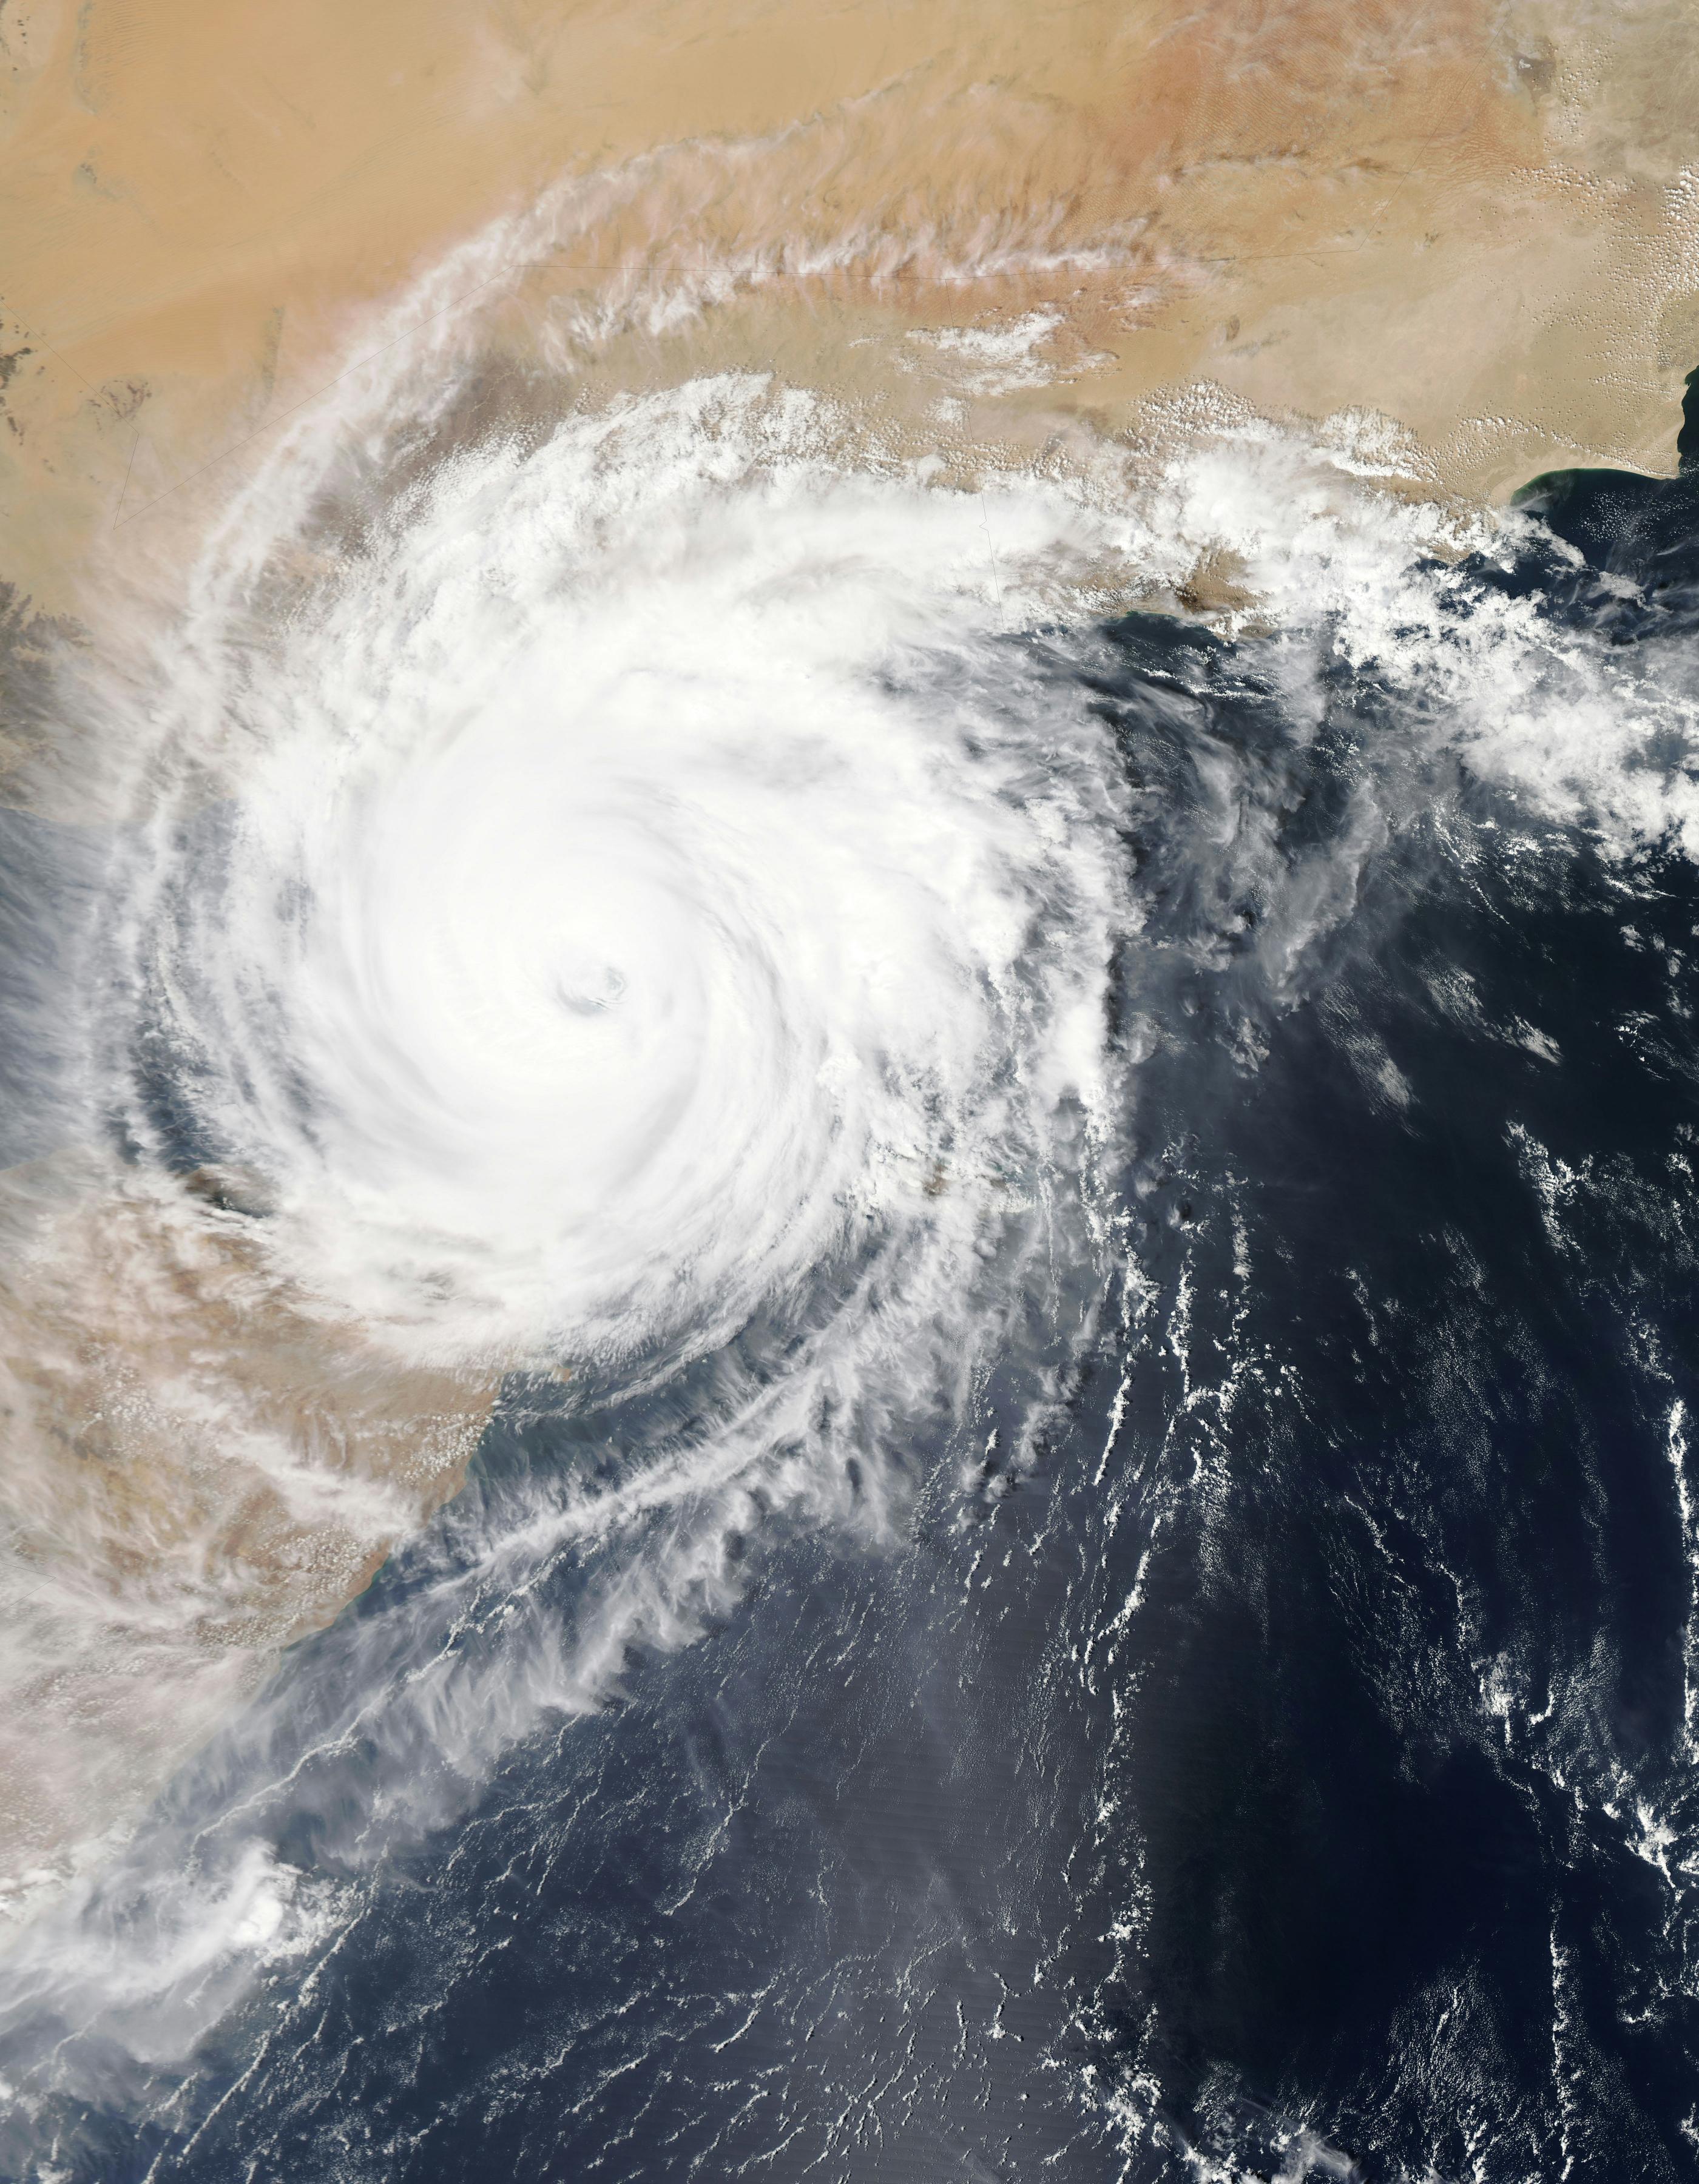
(646, 877)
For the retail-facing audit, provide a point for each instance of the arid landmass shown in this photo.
(1476, 220)
(196, 1475)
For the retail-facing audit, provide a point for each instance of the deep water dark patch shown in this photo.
(1452, 1464)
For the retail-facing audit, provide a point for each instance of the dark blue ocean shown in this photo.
(1289, 1766)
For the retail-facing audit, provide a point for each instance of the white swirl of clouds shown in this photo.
(646, 877)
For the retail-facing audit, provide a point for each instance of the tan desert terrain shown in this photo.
(1478, 218)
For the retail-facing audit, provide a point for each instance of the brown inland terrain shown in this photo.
(997, 224)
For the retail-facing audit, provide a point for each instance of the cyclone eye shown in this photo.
(589, 991)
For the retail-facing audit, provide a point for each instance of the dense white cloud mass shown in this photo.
(649, 875)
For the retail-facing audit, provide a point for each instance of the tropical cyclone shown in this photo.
(630, 903)
(1011, 239)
